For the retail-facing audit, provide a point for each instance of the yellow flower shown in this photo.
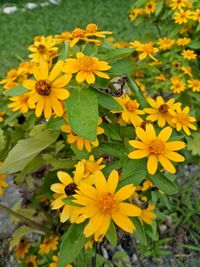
(2, 182)
(43, 47)
(183, 41)
(92, 30)
(186, 70)
(101, 204)
(146, 185)
(22, 249)
(20, 102)
(183, 120)
(55, 263)
(31, 261)
(79, 34)
(182, 16)
(156, 148)
(89, 244)
(196, 15)
(79, 141)
(2, 113)
(49, 244)
(86, 68)
(189, 54)
(145, 50)
(147, 215)
(178, 4)
(177, 86)
(67, 188)
(47, 90)
(195, 85)
(165, 43)
(64, 36)
(161, 111)
(131, 111)
(135, 12)
(150, 7)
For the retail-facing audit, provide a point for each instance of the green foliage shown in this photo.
(16, 91)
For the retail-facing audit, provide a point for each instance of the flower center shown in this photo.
(131, 106)
(70, 189)
(156, 147)
(91, 28)
(86, 64)
(78, 33)
(163, 108)
(107, 203)
(43, 87)
(183, 119)
(23, 99)
(148, 48)
(41, 49)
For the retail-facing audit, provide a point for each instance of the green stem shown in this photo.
(137, 92)
(24, 219)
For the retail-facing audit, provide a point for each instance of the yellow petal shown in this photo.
(65, 214)
(174, 145)
(152, 164)
(56, 70)
(112, 181)
(137, 144)
(167, 165)
(62, 81)
(102, 229)
(44, 69)
(100, 182)
(64, 177)
(125, 192)
(39, 106)
(129, 209)
(165, 134)
(90, 78)
(174, 156)
(123, 222)
(29, 84)
(58, 188)
(138, 154)
(93, 225)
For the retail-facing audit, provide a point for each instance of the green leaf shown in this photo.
(64, 52)
(16, 91)
(159, 7)
(137, 92)
(113, 148)
(26, 150)
(123, 66)
(107, 101)
(163, 183)
(139, 233)
(111, 131)
(82, 110)
(71, 245)
(111, 234)
(193, 144)
(2, 140)
(55, 123)
(117, 54)
(69, 200)
(194, 44)
(151, 231)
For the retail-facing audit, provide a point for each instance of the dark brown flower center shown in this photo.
(43, 87)
(163, 108)
(41, 49)
(70, 189)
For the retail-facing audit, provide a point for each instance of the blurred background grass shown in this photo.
(19, 28)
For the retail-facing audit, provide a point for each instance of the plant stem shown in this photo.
(94, 258)
(24, 219)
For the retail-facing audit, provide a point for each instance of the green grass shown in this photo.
(18, 29)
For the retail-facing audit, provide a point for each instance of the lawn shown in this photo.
(18, 29)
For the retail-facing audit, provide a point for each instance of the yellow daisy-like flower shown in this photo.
(135, 12)
(93, 30)
(182, 16)
(195, 85)
(86, 68)
(22, 249)
(161, 111)
(101, 204)
(156, 148)
(147, 215)
(186, 70)
(31, 261)
(64, 36)
(79, 34)
(55, 263)
(177, 85)
(49, 244)
(43, 47)
(165, 43)
(79, 141)
(131, 111)
(189, 54)
(47, 90)
(20, 102)
(183, 120)
(196, 15)
(144, 50)
(178, 4)
(3, 183)
(150, 7)
(183, 41)
(67, 188)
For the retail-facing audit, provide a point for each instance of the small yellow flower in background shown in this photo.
(131, 111)
(49, 244)
(2, 113)
(20, 103)
(101, 204)
(156, 148)
(177, 85)
(63, 36)
(47, 90)
(93, 30)
(22, 249)
(31, 261)
(43, 47)
(186, 70)
(165, 43)
(3, 183)
(79, 34)
(147, 215)
(150, 7)
(183, 120)
(146, 49)
(183, 41)
(161, 111)
(161, 77)
(135, 12)
(86, 68)
(55, 263)
(196, 15)
(178, 4)
(194, 85)
(189, 54)
(145, 186)
(79, 141)
(182, 16)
